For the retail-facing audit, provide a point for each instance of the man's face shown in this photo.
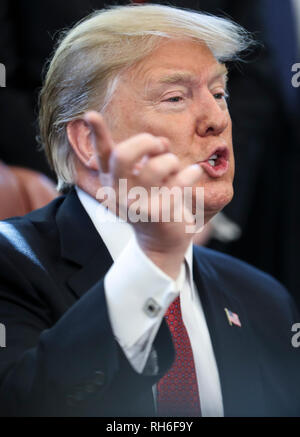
(178, 92)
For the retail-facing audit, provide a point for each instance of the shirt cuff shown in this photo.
(138, 294)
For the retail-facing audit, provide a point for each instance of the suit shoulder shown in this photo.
(18, 232)
(236, 271)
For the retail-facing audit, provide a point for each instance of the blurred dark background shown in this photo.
(264, 105)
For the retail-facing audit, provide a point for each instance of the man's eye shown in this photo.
(220, 96)
(174, 99)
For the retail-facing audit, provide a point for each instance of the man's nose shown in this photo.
(213, 116)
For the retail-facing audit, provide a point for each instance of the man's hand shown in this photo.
(145, 161)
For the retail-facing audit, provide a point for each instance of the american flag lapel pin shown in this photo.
(233, 318)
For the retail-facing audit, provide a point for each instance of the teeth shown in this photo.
(212, 162)
(213, 156)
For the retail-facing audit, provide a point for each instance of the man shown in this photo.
(138, 93)
(265, 110)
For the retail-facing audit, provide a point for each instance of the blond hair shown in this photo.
(90, 58)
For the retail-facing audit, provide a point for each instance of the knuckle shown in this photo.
(152, 166)
(149, 140)
(146, 137)
(118, 155)
(173, 160)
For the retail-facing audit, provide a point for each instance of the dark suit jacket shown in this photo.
(61, 357)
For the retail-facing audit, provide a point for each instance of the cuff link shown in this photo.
(151, 307)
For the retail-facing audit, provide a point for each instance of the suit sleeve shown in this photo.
(70, 367)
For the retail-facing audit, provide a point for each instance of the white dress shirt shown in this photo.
(138, 294)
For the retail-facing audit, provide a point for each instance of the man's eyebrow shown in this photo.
(177, 78)
(181, 77)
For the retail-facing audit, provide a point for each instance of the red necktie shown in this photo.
(178, 388)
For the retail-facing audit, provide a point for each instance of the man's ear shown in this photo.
(79, 136)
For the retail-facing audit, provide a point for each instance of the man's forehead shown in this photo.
(182, 62)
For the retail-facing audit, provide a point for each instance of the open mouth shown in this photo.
(213, 160)
(217, 164)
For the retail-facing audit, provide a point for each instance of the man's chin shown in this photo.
(215, 201)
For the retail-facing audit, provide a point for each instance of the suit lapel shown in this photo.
(81, 245)
(233, 345)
